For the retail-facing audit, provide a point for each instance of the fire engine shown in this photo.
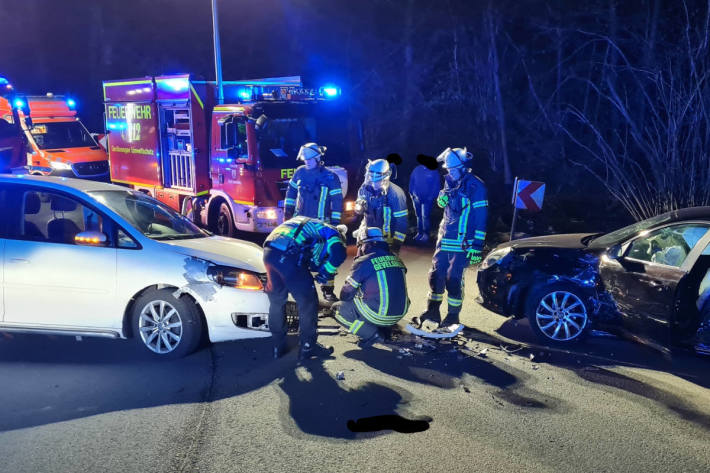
(225, 165)
(57, 142)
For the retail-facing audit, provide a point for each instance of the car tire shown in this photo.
(224, 224)
(559, 313)
(176, 336)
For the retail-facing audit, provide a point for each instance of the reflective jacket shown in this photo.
(378, 287)
(312, 240)
(465, 214)
(314, 193)
(387, 211)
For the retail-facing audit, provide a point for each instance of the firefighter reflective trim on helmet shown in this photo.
(336, 191)
(399, 236)
(453, 302)
(321, 202)
(311, 151)
(295, 184)
(335, 216)
(352, 282)
(480, 203)
(432, 296)
(401, 213)
(387, 217)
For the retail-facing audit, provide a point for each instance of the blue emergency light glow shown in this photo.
(178, 85)
(19, 103)
(330, 91)
(3, 81)
(116, 126)
(244, 94)
(71, 103)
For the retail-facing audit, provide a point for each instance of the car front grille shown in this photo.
(91, 168)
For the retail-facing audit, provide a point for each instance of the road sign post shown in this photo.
(527, 195)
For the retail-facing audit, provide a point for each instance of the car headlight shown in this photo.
(59, 165)
(235, 277)
(267, 214)
(495, 256)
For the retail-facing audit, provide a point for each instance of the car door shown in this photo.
(51, 281)
(644, 280)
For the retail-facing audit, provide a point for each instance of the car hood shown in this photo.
(225, 251)
(76, 155)
(569, 240)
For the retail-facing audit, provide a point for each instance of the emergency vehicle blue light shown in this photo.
(330, 91)
(71, 103)
(19, 103)
(178, 85)
(221, 160)
(244, 94)
(3, 81)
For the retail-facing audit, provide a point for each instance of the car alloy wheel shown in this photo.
(160, 327)
(561, 316)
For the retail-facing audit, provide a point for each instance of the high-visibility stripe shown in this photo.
(399, 236)
(452, 249)
(453, 302)
(130, 82)
(480, 203)
(463, 219)
(341, 319)
(435, 297)
(401, 213)
(294, 184)
(289, 201)
(480, 234)
(335, 215)
(336, 191)
(321, 202)
(243, 202)
(199, 100)
(330, 268)
(352, 282)
(359, 325)
(387, 214)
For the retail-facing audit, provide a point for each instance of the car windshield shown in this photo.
(154, 219)
(57, 135)
(622, 234)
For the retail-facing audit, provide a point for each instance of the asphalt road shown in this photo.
(606, 405)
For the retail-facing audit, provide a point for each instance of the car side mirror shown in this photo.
(90, 238)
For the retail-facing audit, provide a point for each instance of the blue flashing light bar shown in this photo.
(71, 103)
(4, 81)
(178, 85)
(19, 103)
(116, 126)
(244, 93)
(330, 91)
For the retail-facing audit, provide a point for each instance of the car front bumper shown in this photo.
(498, 292)
(235, 314)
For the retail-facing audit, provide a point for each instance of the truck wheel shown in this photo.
(558, 313)
(166, 326)
(224, 225)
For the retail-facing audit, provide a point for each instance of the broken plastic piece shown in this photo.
(340, 375)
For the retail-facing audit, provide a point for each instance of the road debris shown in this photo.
(532, 357)
(535, 367)
(340, 375)
(483, 353)
(405, 351)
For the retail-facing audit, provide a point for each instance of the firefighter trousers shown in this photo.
(286, 276)
(348, 316)
(447, 272)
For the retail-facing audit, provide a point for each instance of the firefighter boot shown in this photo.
(432, 313)
(310, 350)
(450, 323)
(329, 294)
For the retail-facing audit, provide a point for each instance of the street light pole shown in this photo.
(217, 53)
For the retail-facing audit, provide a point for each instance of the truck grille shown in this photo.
(91, 168)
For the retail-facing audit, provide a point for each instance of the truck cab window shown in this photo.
(234, 137)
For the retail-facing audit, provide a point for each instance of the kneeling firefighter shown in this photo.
(383, 204)
(294, 250)
(375, 293)
(314, 191)
(462, 233)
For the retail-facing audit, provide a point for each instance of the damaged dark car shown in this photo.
(648, 282)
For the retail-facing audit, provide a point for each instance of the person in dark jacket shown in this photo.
(292, 252)
(383, 204)
(424, 186)
(462, 234)
(315, 191)
(374, 296)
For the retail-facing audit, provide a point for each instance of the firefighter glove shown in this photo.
(323, 278)
(443, 200)
(473, 256)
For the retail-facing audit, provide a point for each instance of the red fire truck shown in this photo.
(12, 145)
(225, 165)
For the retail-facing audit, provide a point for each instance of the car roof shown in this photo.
(689, 213)
(53, 182)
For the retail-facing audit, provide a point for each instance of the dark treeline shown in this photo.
(605, 100)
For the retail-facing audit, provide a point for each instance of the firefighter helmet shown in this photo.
(311, 151)
(454, 158)
(369, 235)
(378, 172)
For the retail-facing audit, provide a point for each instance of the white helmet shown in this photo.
(378, 173)
(369, 234)
(454, 158)
(311, 151)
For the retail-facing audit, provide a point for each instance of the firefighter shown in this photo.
(294, 250)
(374, 296)
(424, 185)
(462, 233)
(383, 204)
(315, 192)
